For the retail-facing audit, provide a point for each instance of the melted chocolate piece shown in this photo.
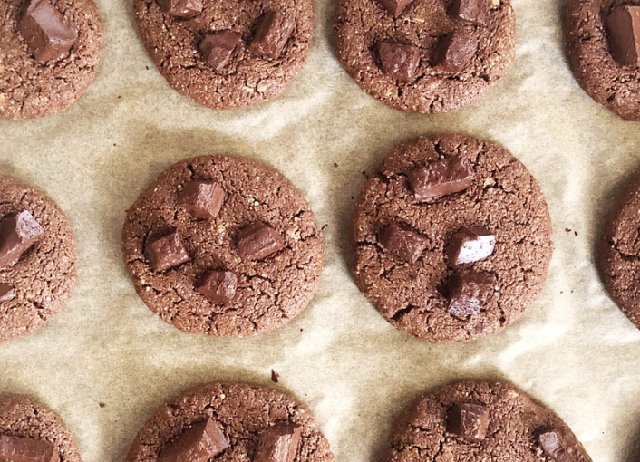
(13, 449)
(623, 34)
(272, 34)
(181, 8)
(470, 245)
(201, 199)
(468, 292)
(279, 443)
(258, 241)
(399, 61)
(395, 7)
(219, 286)
(551, 445)
(203, 441)
(18, 233)
(166, 252)
(7, 293)
(473, 11)
(404, 244)
(440, 178)
(470, 421)
(456, 51)
(217, 48)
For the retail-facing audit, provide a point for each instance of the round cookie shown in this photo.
(37, 258)
(477, 420)
(241, 419)
(591, 48)
(27, 427)
(245, 253)
(452, 238)
(426, 55)
(38, 80)
(227, 54)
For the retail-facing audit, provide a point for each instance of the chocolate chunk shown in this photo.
(181, 8)
(217, 48)
(440, 178)
(623, 34)
(474, 11)
(166, 252)
(7, 293)
(202, 199)
(395, 7)
(468, 292)
(47, 33)
(203, 441)
(272, 34)
(402, 243)
(470, 421)
(258, 241)
(470, 245)
(14, 449)
(18, 233)
(219, 286)
(279, 443)
(455, 51)
(399, 61)
(550, 443)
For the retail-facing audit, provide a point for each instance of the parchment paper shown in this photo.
(573, 349)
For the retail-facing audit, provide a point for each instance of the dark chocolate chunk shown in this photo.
(470, 421)
(14, 449)
(258, 241)
(200, 443)
(455, 51)
(47, 33)
(273, 32)
(181, 8)
(470, 245)
(623, 34)
(440, 178)
(166, 252)
(404, 244)
(474, 11)
(217, 48)
(279, 443)
(550, 443)
(219, 286)
(399, 60)
(395, 7)
(468, 292)
(202, 199)
(18, 233)
(7, 293)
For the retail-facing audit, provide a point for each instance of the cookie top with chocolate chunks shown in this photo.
(452, 238)
(227, 54)
(228, 423)
(37, 258)
(603, 47)
(29, 432)
(223, 246)
(478, 420)
(49, 55)
(426, 55)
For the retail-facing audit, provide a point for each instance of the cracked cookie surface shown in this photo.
(515, 423)
(247, 79)
(614, 86)
(44, 276)
(362, 24)
(29, 89)
(502, 197)
(243, 411)
(270, 291)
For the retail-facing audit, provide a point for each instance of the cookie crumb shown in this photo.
(274, 376)
(102, 405)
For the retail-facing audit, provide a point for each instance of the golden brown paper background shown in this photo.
(573, 349)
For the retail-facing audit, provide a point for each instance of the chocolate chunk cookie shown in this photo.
(49, 55)
(30, 432)
(227, 54)
(603, 47)
(37, 258)
(619, 252)
(476, 420)
(231, 422)
(426, 55)
(223, 246)
(452, 238)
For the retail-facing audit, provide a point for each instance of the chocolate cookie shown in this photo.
(30, 432)
(603, 46)
(223, 246)
(231, 422)
(426, 55)
(452, 238)
(227, 54)
(49, 55)
(477, 420)
(619, 252)
(37, 258)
